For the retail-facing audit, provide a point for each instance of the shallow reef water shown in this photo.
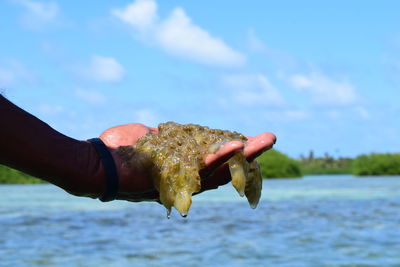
(314, 221)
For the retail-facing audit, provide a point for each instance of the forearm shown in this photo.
(32, 146)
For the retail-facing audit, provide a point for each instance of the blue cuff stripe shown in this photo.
(109, 168)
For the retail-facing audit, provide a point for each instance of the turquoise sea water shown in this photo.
(314, 221)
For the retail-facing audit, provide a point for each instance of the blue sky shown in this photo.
(321, 76)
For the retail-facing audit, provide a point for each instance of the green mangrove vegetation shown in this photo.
(362, 165)
(275, 164)
(377, 164)
(325, 165)
(12, 176)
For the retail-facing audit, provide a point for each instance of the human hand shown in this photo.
(220, 175)
(135, 184)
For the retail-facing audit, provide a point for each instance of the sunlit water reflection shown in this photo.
(314, 221)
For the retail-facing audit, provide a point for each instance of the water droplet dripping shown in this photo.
(184, 215)
(168, 213)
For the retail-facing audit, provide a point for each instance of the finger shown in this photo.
(153, 130)
(255, 146)
(225, 152)
(258, 144)
(123, 135)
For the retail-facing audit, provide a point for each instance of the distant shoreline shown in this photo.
(277, 165)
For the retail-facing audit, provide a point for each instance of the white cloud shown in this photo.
(178, 35)
(300, 81)
(344, 113)
(13, 72)
(141, 14)
(296, 114)
(38, 14)
(102, 69)
(362, 112)
(252, 89)
(324, 90)
(90, 96)
(255, 43)
(146, 116)
(305, 77)
(49, 110)
(7, 78)
(282, 59)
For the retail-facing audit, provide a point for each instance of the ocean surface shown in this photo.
(314, 221)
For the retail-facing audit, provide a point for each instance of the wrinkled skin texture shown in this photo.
(136, 184)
